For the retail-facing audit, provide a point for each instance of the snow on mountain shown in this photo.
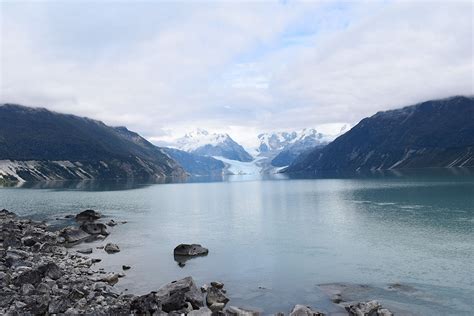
(278, 141)
(203, 143)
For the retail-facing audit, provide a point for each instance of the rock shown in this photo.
(111, 278)
(28, 241)
(94, 228)
(111, 223)
(238, 311)
(51, 270)
(146, 304)
(371, 308)
(124, 267)
(217, 285)
(216, 307)
(73, 234)
(190, 250)
(30, 276)
(215, 295)
(88, 215)
(301, 310)
(203, 311)
(69, 216)
(85, 251)
(111, 248)
(27, 289)
(179, 292)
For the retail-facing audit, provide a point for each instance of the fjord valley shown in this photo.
(388, 198)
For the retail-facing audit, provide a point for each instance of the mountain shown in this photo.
(203, 143)
(280, 149)
(37, 144)
(195, 164)
(437, 133)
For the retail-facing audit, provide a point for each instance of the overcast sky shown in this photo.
(165, 68)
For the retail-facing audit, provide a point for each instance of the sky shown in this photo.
(240, 67)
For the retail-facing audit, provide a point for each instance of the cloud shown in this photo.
(241, 68)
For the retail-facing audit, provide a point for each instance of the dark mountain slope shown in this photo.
(195, 164)
(437, 133)
(48, 145)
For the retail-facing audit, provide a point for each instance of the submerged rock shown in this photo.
(88, 215)
(85, 251)
(239, 311)
(111, 248)
(73, 234)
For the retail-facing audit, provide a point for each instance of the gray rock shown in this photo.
(203, 311)
(85, 251)
(215, 295)
(111, 278)
(111, 248)
(27, 289)
(371, 308)
(73, 234)
(146, 304)
(217, 285)
(30, 276)
(51, 270)
(190, 250)
(125, 267)
(94, 228)
(238, 311)
(111, 223)
(88, 215)
(302, 310)
(181, 291)
(216, 307)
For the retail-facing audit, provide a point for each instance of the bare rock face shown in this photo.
(88, 215)
(190, 250)
(302, 310)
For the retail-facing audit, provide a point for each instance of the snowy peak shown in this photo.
(278, 141)
(203, 143)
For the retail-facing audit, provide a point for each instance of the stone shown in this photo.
(111, 248)
(28, 241)
(302, 310)
(73, 234)
(94, 228)
(88, 215)
(111, 278)
(125, 267)
(85, 251)
(217, 307)
(187, 292)
(51, 270)
(215, 295)
(370, 308)
(111, 223)
(190, 250)
(30, 276)
(217, 285)
(239, 311)
(203, 311)
(145, 305)
(27, 289)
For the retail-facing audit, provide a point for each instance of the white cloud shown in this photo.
(163, 68)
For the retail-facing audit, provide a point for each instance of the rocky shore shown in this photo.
(41, 275)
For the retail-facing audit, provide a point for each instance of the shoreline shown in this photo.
(42, 273)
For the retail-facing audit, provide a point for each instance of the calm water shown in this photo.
(285, 236)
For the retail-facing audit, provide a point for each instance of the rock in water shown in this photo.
(88, 215)
(111, 223)
(301, 310)
(238, 311)
(94, 228)
(371, 308)
(125, 267)
(111, 248)
(73, 234)
(190, 250)
(85, 251)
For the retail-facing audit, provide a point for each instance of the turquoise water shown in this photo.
(273, 241)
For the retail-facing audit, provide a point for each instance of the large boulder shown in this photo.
(148, 304)
(88, 215)
(302, 310)
(94, 228)
(190, 250)
(216, 297)
(29, 276)
(177, 294)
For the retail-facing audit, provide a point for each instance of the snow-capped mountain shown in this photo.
(281, 148)
(201, 142)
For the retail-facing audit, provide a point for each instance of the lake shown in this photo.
(272, 241)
